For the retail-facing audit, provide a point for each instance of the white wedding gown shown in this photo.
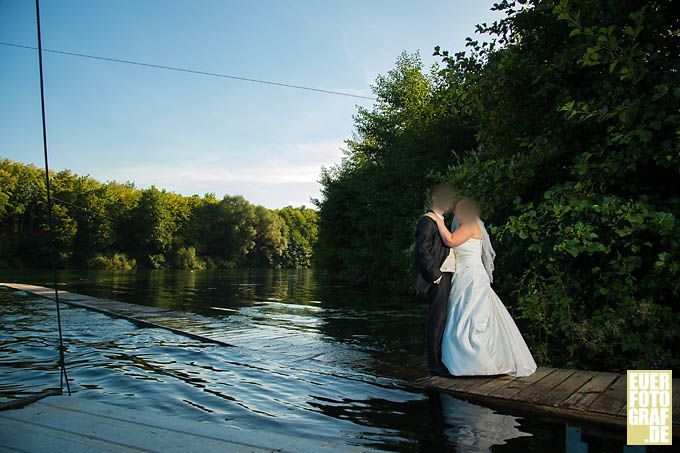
(480, 337)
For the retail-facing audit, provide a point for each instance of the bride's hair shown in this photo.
(467, 206)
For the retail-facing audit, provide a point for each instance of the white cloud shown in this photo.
(287, 174)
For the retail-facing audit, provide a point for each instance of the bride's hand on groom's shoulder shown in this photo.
(432, 215)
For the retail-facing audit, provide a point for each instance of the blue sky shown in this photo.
(193, 134)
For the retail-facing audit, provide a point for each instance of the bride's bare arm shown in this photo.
(455, 239)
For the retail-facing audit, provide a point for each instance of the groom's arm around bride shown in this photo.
(427, 256)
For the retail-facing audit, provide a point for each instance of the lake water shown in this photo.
(299, 367)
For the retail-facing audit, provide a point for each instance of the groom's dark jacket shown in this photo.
(431, 251)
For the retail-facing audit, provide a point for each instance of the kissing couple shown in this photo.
(469, 330)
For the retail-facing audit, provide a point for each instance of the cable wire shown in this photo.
(62, 363)
(83, 208)
(192, 71)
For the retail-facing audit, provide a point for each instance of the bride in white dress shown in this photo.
(480, 337)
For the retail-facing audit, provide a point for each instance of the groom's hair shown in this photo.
(442, 192)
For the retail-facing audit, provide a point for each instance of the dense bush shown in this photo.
(100, 225)
(118, 261)
(185, 258)
(565, 126)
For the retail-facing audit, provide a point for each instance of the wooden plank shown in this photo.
(144, 310)
(258, 334)
(97, 426)
(612, 399)
(466, 384)
(539, 388)
(454, 383)
(98, 307)
(493, 385)
(422, 364)
(516, 385)
(414, 361)
(110, 427)
(289, 345)
(410, 368)
(432, 381)
(565, 389)
(23, 437)
(405, 361)
(384, 368)
(410, 374)
(582, 398)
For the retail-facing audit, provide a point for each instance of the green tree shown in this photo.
(270, 239)
(371, 201)
(154, 223)
(23, 218)
(112, 225)
(301, 232)
(224, 230)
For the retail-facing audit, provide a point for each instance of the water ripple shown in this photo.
(298, 367)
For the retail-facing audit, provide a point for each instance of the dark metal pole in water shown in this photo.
(62, 363)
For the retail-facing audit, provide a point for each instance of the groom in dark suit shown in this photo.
(428, 280)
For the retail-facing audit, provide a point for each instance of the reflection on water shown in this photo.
(299, 368)
(477, 428)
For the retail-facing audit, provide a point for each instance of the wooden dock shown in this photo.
(585, 396)
(71, 424)
(140, 315)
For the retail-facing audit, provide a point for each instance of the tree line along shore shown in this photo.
(118, 226)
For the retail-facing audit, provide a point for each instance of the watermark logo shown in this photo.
(650, 407)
